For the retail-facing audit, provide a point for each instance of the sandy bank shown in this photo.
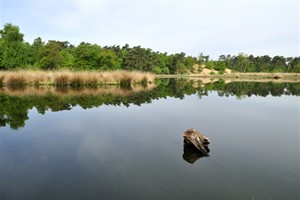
(248, 77)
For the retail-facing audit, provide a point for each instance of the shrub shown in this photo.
(16, 80)
(125, 82)
(91, 82)
(1, 80)
(77, 82)
(62, 81)
(157, 70)
(144, 82)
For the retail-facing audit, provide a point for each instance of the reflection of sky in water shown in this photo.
(136, 152)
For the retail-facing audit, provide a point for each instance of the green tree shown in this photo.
(35, 49)
(176, 60)
(49, 55)
(66, 59)
(141, 59)
(210, 64)
(120, 53)
(263, 63)
(108, 60)
(189, 62)
(294, 65)
(278, 64)
(163, 61)
(202, 59)
(242, 62)
(87, 56)
(12, 50)
(220, 66)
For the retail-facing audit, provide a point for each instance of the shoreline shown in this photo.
(239, 77)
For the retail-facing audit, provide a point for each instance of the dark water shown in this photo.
(136, 151)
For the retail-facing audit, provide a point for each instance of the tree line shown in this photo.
(15, 53)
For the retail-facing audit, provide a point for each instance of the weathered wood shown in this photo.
(192, 136)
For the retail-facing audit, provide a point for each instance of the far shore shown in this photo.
(238, 76)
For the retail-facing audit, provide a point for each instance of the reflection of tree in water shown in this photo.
(13, 112)
(14, 108)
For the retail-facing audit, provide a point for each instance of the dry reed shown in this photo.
(1, 79)
(73, 78)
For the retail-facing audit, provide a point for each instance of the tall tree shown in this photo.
(242, 62)
(177, 60)
(34, 51)
(87, 56)
(49, 55)
(279, 63)
(12, 50)
(108, 60)
(263, 63)
(139, 58)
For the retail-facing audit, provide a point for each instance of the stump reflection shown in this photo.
(191, 154)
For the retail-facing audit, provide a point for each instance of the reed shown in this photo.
(1, 80)
(77, 81)
(15, 80)
(61, 80)
(65, 78)
(125, 80)
(144, 82)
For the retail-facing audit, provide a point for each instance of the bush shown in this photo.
(77, 82)
(157, 70)
(125, 83)
(1, 80)
(144, 82)
(16, 80)
(210, 65)
(165, 70)
(92, 82)
(62, 81)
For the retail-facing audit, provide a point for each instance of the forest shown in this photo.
(15, 53)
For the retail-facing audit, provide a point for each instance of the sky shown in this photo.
(211, 27)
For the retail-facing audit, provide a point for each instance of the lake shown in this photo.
(130, 146)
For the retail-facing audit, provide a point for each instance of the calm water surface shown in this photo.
(136, 152)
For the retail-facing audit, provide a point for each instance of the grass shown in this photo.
(74, 79)
(15, 80)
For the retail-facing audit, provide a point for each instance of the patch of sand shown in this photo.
(202, 70)
(228, 71)
(206, 71)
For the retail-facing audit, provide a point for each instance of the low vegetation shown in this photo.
(74, 79)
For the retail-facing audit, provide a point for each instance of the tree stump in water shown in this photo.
(195, 138)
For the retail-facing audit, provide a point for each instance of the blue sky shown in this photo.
(213, 27)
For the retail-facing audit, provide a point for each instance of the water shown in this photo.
(136, 151)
